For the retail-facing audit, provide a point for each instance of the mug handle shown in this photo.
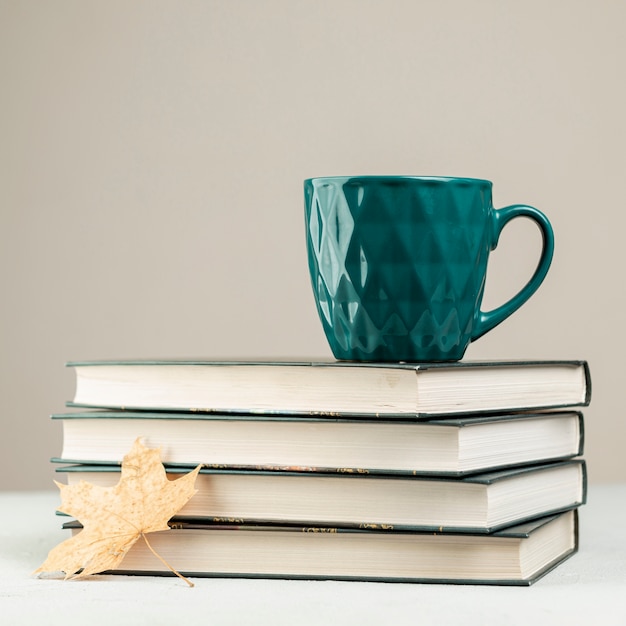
(500, 218)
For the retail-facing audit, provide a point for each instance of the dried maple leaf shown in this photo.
(114, 518)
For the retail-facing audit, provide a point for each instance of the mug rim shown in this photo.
(400, 177)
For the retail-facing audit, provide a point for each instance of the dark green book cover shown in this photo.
(483, 503)
(246, 551)
(332, 388)
(453, 446)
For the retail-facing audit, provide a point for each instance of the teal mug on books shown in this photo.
(398, 263)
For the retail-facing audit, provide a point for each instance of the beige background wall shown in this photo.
(151, 164)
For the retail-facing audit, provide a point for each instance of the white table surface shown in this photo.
(590, 588)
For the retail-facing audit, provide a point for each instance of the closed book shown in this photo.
(453, 446)
(482, 503)
(518, 555)
(336, 388)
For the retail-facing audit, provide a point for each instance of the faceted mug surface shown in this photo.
(398, 263)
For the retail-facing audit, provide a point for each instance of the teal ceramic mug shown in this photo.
(398, 263)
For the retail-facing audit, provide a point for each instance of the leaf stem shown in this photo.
(158, 556)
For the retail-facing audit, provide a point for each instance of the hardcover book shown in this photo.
(518, 555)
(483, 503)
(333, 388)
(452, 446)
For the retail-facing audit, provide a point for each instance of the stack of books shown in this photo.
(468, 472)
